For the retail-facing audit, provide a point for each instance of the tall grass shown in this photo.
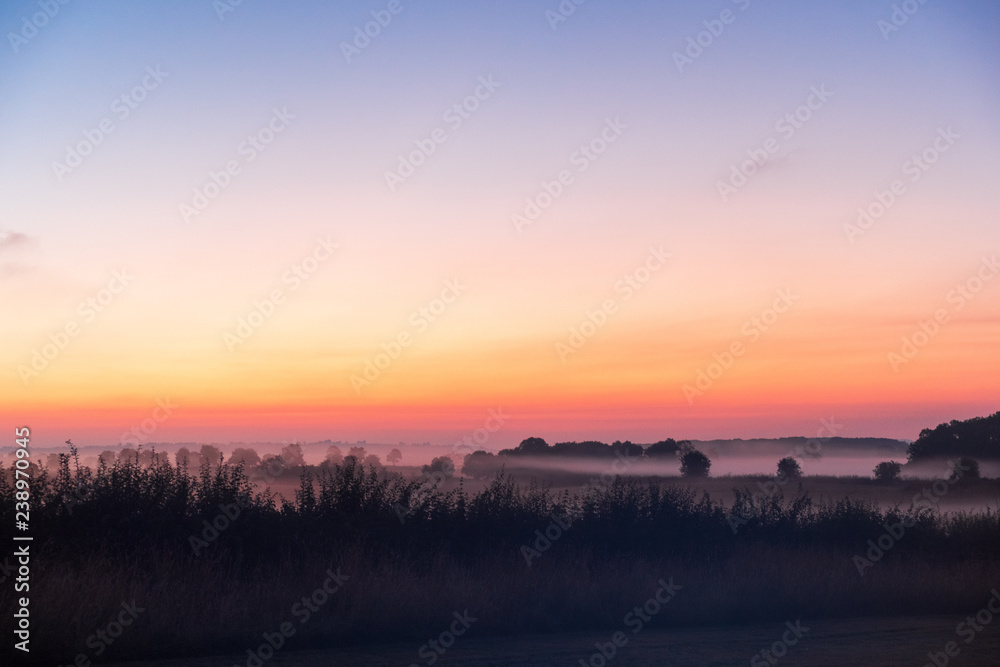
(415, 554)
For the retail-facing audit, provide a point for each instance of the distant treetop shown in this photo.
(978, 437)
(668, 448)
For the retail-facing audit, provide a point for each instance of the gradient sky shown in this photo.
(163, 337)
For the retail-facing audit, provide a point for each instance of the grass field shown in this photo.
(970, 495)
(869, 642)
(215, 567)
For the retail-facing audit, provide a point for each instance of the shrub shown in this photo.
(789, 468)
(887, 471)
(965, 468)
(441, 464)
(695, 464)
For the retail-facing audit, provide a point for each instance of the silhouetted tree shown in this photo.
(272, 465)
(665, 449)
(211, 455)
(627, 448)
(531, 446)
(293, 455)
(441, 464)
(480, 464)
(887, 471)
(789, 468)
(585, 449)
(977, 437)
(334, 456)
(372, 460)
(965, 468)
(127, 454)
(394, 457)
(248, 457)
(695, 464)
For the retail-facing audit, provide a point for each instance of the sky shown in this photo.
(384, 220)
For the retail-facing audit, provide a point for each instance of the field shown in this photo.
(888, 642)
(211, 564)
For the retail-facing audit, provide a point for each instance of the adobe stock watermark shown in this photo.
(363, 35)
(958, 297)
(967, 630)
(562, 12)
(810, 450)
(714, 28)
(88, 310)
(432, 651)
(928, 498)
(302, 610)
(753, 328)
(122, 107)
(582, 158)
(453, 117)
(899, 17)
(779, 649)
(31, 25)
(139, 433)
(420, 320)
(248, 150)
(627, 287)
(223, 7)
(914, 167)
(786, 127)
(495, 420)
(634, 620)
(295, 276)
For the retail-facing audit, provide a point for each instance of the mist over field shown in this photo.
(841, 457)
(404, 547)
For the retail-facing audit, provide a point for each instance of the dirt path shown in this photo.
(877, 642)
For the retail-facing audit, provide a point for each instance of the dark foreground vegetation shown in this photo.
(213, 563)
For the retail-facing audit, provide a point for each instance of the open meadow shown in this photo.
(215, 561)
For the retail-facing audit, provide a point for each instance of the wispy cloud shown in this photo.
(13, 244)
(14, 240)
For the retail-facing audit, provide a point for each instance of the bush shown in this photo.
(441, 464)
(965, 468)
(695, 464)
(887, 471)
(789, 468)
(667, 449)
(480, 464)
